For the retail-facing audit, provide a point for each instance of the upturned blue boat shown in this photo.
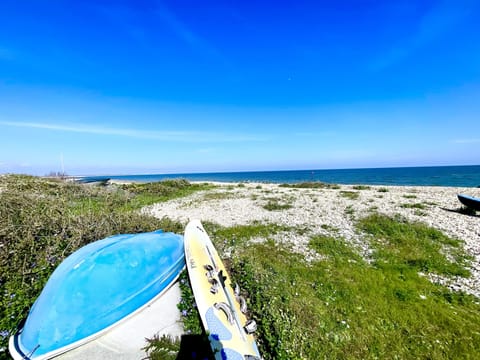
(469, 201)
(97, 287)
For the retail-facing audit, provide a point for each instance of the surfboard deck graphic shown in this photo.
(218, 301)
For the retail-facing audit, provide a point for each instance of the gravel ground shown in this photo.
(333, 212)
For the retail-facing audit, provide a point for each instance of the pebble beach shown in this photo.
(334, 211)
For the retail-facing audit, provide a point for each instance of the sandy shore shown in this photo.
(333, 212)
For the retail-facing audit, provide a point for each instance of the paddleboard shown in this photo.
(219, 303)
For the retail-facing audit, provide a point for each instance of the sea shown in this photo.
(455, 176)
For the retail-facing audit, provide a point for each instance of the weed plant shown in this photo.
(361, 187)
(414, 206)
(273, 205)
(352, 195)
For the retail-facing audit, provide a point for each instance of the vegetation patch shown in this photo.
(343, 307)
(349, 210)
(311, 185)
(151, 193)
(272, 205)
(361, 187)
(414, 246)
(352, 195)
(235, 237)
(420, 206)
(329, 228)
(217, 195)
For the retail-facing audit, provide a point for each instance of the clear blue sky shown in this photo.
(154, 86)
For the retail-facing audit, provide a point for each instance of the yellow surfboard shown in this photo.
(219, 303)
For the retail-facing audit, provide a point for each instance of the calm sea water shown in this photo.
(460, 176)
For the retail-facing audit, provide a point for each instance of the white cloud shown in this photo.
(175, 136)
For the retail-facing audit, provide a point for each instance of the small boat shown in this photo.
(469, 201)
(97, 287)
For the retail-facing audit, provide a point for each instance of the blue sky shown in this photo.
(115, 87)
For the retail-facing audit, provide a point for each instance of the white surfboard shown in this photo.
(218, 302)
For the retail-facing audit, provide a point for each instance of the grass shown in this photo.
(352, 195)
(211, 196)
(329, 228)
(311, 185)
(361, 187)
(344, 307)
(420, 206)
(274, 205)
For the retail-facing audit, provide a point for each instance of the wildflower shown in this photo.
(184, 312)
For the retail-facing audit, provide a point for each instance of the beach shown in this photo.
(333, 211)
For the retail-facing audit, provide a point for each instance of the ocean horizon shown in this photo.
(454, 176)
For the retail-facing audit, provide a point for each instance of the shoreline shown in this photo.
(447, 175)
(333, 212)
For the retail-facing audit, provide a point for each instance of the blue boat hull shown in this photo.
(469, 201)
(95, 288)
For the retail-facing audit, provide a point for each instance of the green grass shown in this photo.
(150, 193)
(361, 187)
(311, 185)
(274, 205)
(343, 307)
(352, 195)
(420, 206)
(415, 246)
(329, 228)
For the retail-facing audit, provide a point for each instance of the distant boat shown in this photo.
(469, 201)
(92, 180)
(95, 288)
